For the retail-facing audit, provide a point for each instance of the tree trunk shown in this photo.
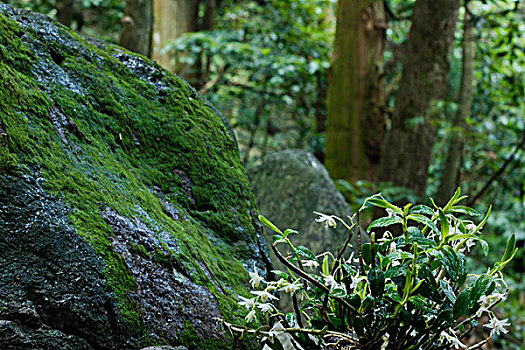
(355, 89)
(408, 144)
(172, 18)
(137, 25)
(320, 114)
(451, 172)
(65, 12)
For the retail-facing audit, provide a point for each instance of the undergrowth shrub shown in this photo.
(409, 289)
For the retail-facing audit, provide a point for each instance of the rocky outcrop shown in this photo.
(126, 218)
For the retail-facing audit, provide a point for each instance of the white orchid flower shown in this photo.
(266, 307)
(452, 339)
(330, 281)
(291, 287)
(327, 219)
(264, 295)
(310, 263)
(498, 326)
(251, 316)
(355, 280)
(248, 303)
(255, 279)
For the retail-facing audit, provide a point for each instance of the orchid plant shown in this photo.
(409, 289)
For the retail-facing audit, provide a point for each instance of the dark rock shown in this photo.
(126, 218)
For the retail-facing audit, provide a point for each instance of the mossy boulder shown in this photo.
(126, 217)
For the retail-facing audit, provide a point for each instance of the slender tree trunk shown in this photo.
(65, 12)
(451, 172)
(408, 143)
(355, 122)
(320, 113)
(172, 18)
(137, 25)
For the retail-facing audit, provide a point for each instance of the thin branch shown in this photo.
(498, 173)
(297, 311)
(213, 82)
(479, 345)
(310, 279)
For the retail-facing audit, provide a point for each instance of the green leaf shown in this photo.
(289, 231)
(429, 287)
(376, 278)
(484, 247)
(445, 227)
(368, 302)
(395, 271)
(454, 198)
(479, 288)
(421, 303)
(423, 220)
(324, 267)
(359, 326)
(384, 204)
(268, 224)
(449, 259)
(276, 238)
(483, 221)
(464, 210)
(384, 222)
(365, 253)
(397, 255)
(355, 300)
(306, 253)
(449, 292)
(291, 319)
(393, 294)
(415, 235)
(422, 209)
(509, 250)
(281, 274)
(462, 303)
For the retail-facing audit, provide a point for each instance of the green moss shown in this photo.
(129, 138)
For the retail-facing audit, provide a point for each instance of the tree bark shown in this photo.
(65, 12)
(451, 172)
(409, 142)
(137, 25)
(172, 18)
(355, 91)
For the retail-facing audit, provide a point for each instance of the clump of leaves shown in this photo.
(409, 289)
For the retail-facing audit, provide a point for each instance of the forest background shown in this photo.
(408, 98)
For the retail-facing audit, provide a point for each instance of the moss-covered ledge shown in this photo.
(147, 175)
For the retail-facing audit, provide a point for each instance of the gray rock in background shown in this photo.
(289, 186)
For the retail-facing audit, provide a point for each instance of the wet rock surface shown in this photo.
(165, 292)
(51, 281)
(126, 217)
